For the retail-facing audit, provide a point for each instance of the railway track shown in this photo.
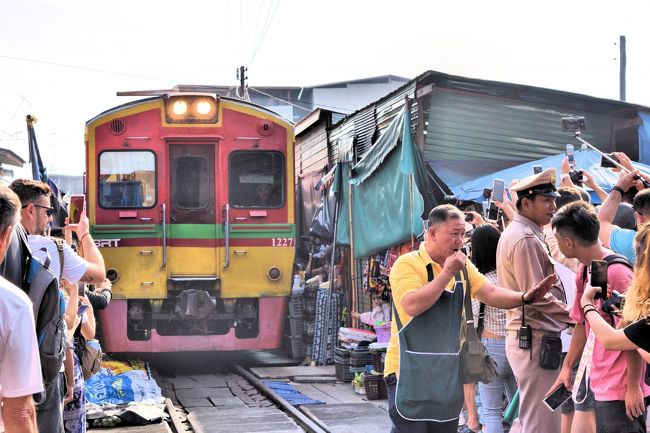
(230, 401)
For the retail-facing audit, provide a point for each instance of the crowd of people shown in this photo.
(535, 308)
(32, 398)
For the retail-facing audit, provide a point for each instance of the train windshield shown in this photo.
(127, 179)
(257, 179)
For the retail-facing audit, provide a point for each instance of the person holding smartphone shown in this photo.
(615, 377)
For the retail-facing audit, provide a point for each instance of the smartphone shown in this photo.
(493, 212)
(557, 397)
(468, 218)
(604, 162)
(569, 153)
(464, 250)
(82, 309)
(82, 289)
(487, 192)
(537, 169)
(498, 188)
(77, 205)
(599, 277)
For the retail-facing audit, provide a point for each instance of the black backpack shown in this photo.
(42, 287)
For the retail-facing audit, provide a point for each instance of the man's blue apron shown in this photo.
(429, 385)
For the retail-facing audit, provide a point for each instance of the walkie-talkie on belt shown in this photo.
(525, 333)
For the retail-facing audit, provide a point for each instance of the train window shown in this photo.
(127, 179)
(193, 182)
(256, 179)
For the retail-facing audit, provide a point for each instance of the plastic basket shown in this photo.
(375, 386)
(383, 333)
(343, 372)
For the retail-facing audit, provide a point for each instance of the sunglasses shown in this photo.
(49, 211)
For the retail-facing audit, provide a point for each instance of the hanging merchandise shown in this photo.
(326, 325)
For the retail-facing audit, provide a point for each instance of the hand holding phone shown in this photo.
(599, 278)
(557, 397)
(77, 206)
(569, 153)
(498, 189)
(82, 309)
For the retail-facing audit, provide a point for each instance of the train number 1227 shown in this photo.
(282, 242)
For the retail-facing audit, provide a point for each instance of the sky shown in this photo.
(64, 61)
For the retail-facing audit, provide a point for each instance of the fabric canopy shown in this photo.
(386, 202)
(586, 159)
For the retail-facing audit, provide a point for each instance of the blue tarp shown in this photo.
(644, 138)
(290, 393)
(586, 159)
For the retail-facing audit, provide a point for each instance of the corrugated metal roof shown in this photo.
(364, 130)
(464, 125)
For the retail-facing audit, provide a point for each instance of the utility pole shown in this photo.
(242, 76)
(623, 65)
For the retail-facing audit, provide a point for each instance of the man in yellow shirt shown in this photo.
(428, 294)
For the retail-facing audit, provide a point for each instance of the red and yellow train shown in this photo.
(191, 200)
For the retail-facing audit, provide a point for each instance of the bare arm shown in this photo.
(500, 297)
(88, 327)
(417, 302)
(19, 415)
(634, 405)
(610, 338)
(602, 195)
(609, 207)
(96, 271)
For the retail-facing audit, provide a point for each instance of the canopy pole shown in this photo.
(411, 210)
(353, 263)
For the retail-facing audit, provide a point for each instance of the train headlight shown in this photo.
(274, 273)
(191, 108)
(180, 107)
(204, 107)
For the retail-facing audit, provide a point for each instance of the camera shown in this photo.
(574, 123)
(468, 218)
(614, 304)
(577, 176)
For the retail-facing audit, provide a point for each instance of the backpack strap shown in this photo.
(59, 248)
(618, 259)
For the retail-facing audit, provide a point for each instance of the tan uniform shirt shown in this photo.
(523, 261)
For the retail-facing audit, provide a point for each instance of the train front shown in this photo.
(190, 199)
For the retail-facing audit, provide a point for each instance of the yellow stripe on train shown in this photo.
(141, 276)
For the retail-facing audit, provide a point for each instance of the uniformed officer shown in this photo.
(523, 260)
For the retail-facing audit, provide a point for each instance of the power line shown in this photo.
(265, 29)
(83, 68)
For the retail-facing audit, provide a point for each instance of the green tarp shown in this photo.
(385, 209)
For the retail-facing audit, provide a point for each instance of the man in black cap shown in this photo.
(523, 260)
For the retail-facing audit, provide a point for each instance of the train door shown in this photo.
(193, 256)
(256, 202)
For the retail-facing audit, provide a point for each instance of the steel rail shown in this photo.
(312, 426)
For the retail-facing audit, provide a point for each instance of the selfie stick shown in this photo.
(577, 132)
